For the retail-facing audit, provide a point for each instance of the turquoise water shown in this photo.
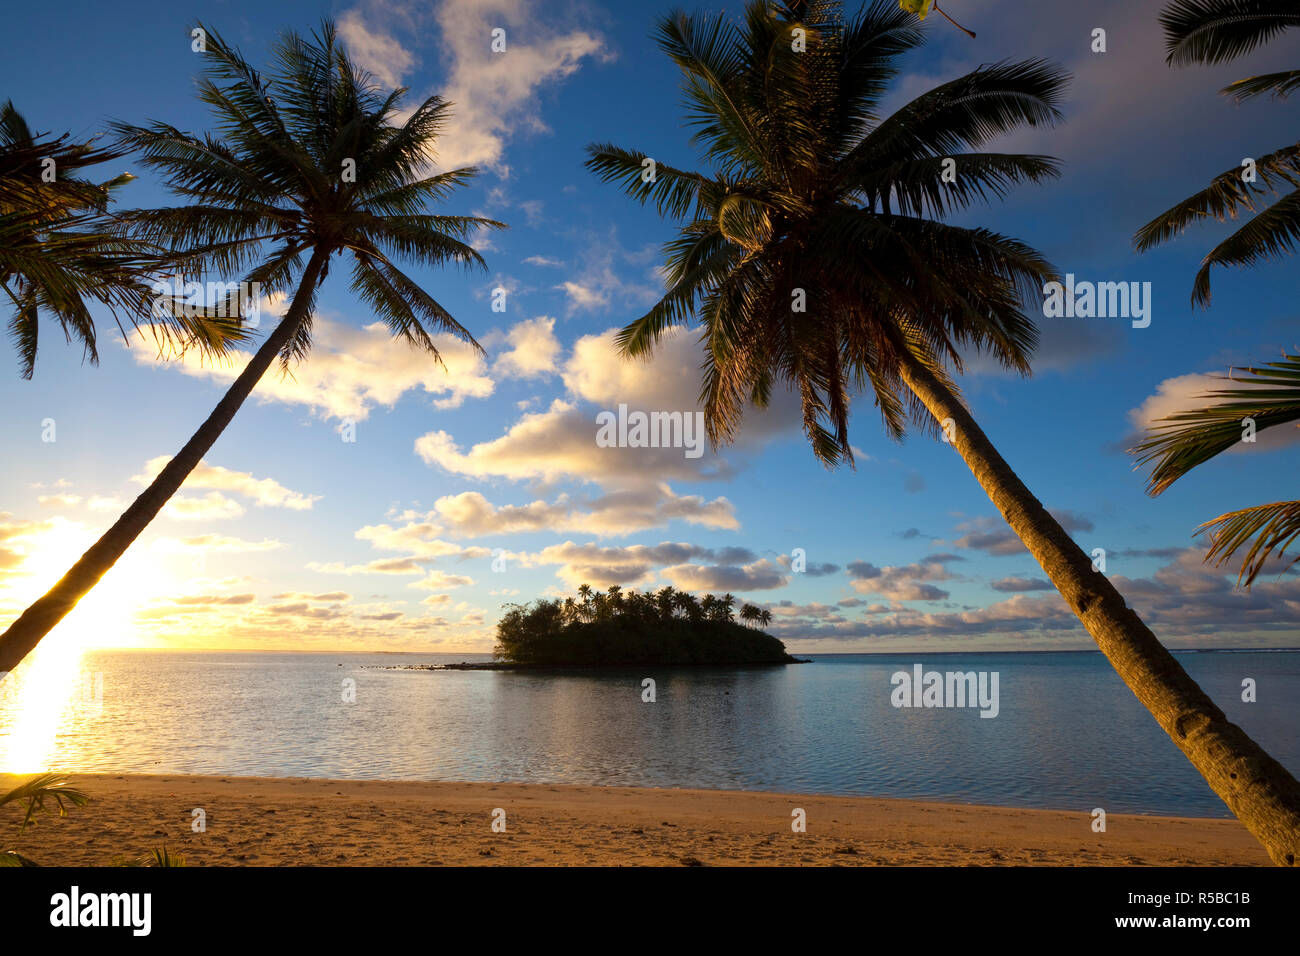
(1068, 734)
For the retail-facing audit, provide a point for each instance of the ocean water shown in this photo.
(1068, 734)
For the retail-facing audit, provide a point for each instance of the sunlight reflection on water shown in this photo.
(1069, 733)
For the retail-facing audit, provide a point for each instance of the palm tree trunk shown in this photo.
(1259, 790)
(41, 617)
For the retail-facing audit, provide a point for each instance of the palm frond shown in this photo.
(966, 113)
(1215, 31)
(1227, 196)
(1277, 85)
(1271, 233)
(1179, 442)
(916, 187)
(14, 858)
(1269, 530)
(674, 192)
(708, 52)
(41, 788)
(161, 856)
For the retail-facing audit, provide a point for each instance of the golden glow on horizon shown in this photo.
(50, 687)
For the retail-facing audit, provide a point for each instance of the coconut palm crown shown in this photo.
(813, 250)
(306, 163)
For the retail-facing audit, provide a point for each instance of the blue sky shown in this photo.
(291, 537)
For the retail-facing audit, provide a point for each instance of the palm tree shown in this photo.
(764, 617)
(664, 598)
(268, 191)
(749, 614)
(58, 248)
(1216, 31)
(814, 252)
(689, 605)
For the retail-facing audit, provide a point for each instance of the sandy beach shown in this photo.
(253, 821)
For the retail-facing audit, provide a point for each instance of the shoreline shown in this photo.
(270, 821)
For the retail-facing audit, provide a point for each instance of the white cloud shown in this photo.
(350, 371)
(382, 566)
(265, 492)
(469, 514)
(532, 209)
(902, 583)
(669, 380)
(441, 580)
(534, 349)
(58, 501)
(583, 296)
(602, 566)
(376, 52)
(600, 278)
(758, 575)
(415, 540)
(495, 94)
(1186, 392)
(215, 542)
(561, 443)
(20, 539)
(332, 596)
(213, 505)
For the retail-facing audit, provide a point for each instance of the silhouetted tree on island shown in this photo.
(618, 627)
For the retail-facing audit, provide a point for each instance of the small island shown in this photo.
(617, 628)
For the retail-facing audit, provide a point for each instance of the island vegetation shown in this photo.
(617, 627)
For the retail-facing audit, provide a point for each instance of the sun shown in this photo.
(52, 686)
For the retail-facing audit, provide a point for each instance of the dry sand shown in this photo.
(253, 821)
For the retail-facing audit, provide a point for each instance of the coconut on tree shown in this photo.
(816, 254)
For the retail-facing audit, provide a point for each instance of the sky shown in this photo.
(482, 483)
